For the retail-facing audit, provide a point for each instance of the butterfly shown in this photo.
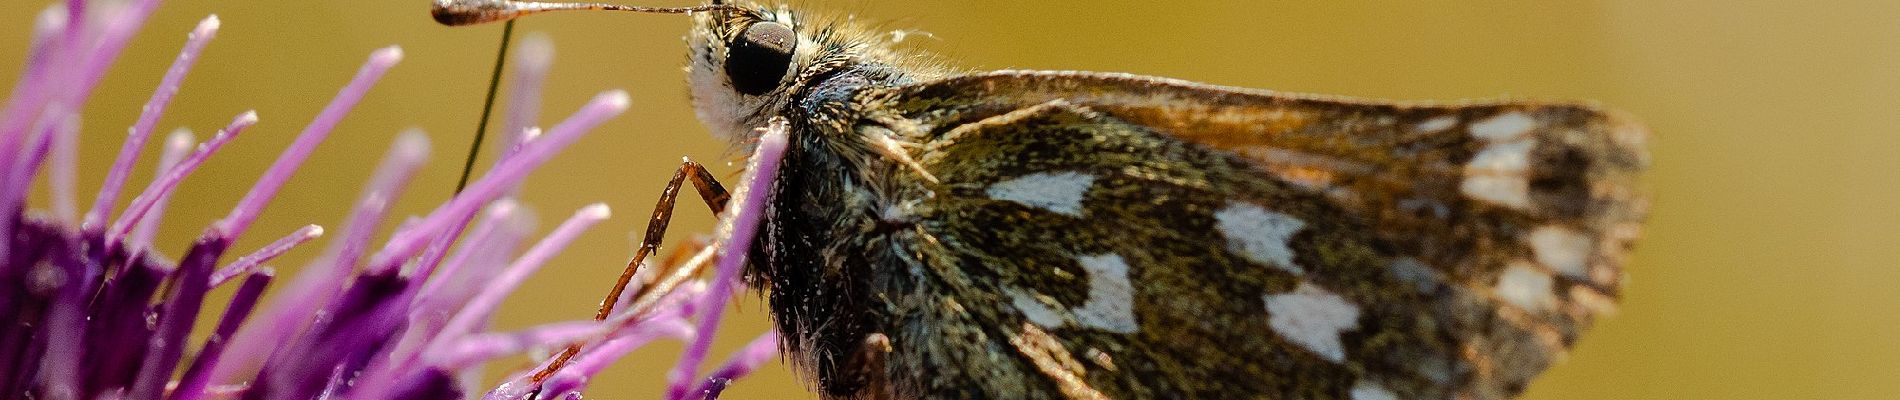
(938, 233)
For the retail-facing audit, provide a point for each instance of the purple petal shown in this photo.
(31, 93)
(442, 345)
(40, 51)
(320, 282)
(527, 136)
(742, 363)
(532, 60)
(405, 243)
(65, 153)
(166, 183)
(148, 118)
(740, 226)
(431, 384)
(481, 256)
(20, 106)
(64, 326)
(27, 290)
(189, 283)
(360, 322)
(17, 179)
(108, 337)
(293, 157)
(191, 386)
(408, 155)
(573, 377)
(682, 299)
(483, 304)
(176, 147)
(119, 328)
(512, 390)
(432, 256)
(449, 287)
(475, 349)
(495, 238)
(245, 264)
(24, 168)
(118, 29)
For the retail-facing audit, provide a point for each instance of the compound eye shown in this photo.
(760, 57)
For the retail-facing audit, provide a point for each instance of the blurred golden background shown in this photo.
(1768, 268)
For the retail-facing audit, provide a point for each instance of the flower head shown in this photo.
(100, 313)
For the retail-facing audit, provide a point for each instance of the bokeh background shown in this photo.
(1768, 270)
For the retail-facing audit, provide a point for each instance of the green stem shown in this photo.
(488, 107)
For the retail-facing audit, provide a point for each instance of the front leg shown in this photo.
(710, 191)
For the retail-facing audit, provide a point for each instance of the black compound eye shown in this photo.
(760, 57)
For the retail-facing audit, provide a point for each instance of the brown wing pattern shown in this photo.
(1471, 242)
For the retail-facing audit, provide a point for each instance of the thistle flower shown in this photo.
(95, 311)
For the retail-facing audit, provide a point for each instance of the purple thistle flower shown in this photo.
(92, 311)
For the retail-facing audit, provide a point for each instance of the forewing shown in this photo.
(1184, 238)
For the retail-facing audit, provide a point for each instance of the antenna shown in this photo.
(471, 12)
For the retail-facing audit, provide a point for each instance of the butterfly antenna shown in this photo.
(470, 12)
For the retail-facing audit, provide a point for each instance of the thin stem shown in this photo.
(488, 106)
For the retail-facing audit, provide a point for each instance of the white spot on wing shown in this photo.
(1313, 318)
(1436, 125)
(1259, 235)
(1503, 126)
(1510, 191)
(1059, 192)
(1524, 286)
(1496, 174)
(1111, 304)
(1369, 390)
(1505, 158)
(1562, 249)
(1034, 310)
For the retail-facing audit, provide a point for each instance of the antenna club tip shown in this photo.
(469, 12)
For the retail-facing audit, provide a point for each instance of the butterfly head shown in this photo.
(752, 62)
(744, 63)
(748, 62)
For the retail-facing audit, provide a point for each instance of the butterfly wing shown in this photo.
(1127, 236)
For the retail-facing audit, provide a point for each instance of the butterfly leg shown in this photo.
(715, 196)
(709, 190)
